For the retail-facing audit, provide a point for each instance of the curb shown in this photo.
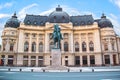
(69, 70)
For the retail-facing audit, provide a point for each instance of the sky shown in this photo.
(111, 8)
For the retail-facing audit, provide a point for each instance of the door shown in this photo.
(114, 60)
(66, 62)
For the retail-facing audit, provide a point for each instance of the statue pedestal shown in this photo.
(56, 57)
(56, 60)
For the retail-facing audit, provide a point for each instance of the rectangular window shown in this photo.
(92, 59)
(107, 59)
(10, 56)
(77, 60)
(66, 62)
(3, 56)
(84, 58)
(40, 63)
(33, 57)
(25, 56)
(66, 56)
(40, 57)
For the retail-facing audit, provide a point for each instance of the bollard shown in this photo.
(43, 70)
(68, 70)
(20, 70)
(80, 70)
(92, 70)
(31, 70)
(8, 69)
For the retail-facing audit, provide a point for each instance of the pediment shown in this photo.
(61, 26)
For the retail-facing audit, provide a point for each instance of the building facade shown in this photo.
(86, 41)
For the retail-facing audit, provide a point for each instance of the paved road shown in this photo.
(59, 76)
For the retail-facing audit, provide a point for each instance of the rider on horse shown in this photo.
(56, 35)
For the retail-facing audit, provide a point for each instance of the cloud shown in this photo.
(47, 12)
(116, 24)
(6, 5)
(71, 11)
(25, 10)
(1, 29)
(4, 15)
(116, 2)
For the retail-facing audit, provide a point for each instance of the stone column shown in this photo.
(71, 42)
(7, 46)
(111, 59)
(81, 62)
(80, 44)
(29, 60)
(115, 45)
(36, 60)
(30, 43)
(21, 41)
(87, 43)
(6, 60)
(46, 43)
(109, 45)
(118, 44)
(37, 43)
(15, 46)
(88, 60)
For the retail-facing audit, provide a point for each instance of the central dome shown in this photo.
(59, 16)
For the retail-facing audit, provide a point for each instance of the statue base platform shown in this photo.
(56, 60)
(55, 68)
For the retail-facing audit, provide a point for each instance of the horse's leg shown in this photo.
(58, 43)
(54, 44)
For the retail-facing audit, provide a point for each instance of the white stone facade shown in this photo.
(87, 45)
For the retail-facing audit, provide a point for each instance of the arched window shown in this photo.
(84, 46)
(11, 47)
(105, 46)
(76, 47)
(26, 46)
(33, 47)
(51, 46)
(66, 46)
(40, 47)
(91, 46)
(89, 22)
(35, 23)
(82, 23)
(28, 22)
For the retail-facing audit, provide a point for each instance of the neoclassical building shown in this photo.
(86, 41)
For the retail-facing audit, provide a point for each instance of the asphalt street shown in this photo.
(60, 76)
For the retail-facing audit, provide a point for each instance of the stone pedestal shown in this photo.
(56, 60)
(56, 57)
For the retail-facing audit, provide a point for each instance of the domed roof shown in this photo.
(13, 22)
(104, 22)
(58, 16)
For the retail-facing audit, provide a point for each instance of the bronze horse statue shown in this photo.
(56, 36)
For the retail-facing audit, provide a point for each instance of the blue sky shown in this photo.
(111, 8)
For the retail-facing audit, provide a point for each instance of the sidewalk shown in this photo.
(71, 69)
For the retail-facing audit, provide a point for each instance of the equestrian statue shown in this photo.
(56, 36)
